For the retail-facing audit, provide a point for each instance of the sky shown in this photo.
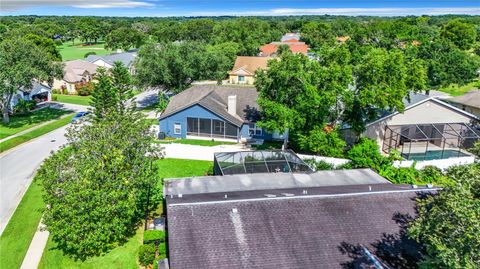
(166, 8)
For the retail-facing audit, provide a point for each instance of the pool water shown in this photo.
(434, 155)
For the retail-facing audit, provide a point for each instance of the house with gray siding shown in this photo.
(215, 112)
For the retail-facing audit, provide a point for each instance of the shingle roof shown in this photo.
(288, 37)
(269, 181)
(250, 64)
(215, 99)
(74, 70)
(126, 58)
(36, 88)
(471, 98)
(314, 230)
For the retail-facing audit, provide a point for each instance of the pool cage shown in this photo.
(262, 161)
(430, 141)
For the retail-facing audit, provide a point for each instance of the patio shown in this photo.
(430, 141)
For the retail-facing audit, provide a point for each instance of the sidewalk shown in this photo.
(35, 250)
(193, 152)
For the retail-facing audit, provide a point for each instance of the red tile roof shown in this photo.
(295, 47)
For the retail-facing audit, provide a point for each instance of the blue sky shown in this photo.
(162, 8)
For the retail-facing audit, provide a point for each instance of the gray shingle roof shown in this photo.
(303, 231)
(126, 58)
(215, 99)
(270, 181)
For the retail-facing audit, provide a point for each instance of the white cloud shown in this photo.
(346, 11)
(21, 4)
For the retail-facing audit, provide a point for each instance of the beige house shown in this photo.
(76, 71)
(469, 102)
(427, 129)
(243, 71)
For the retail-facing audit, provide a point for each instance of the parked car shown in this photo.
(80, 116)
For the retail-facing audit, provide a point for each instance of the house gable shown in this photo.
(241, 72)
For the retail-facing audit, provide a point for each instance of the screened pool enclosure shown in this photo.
(262, 161)
(430, 141)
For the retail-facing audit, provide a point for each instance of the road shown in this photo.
(18, 166)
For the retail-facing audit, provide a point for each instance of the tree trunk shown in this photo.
(6, 118)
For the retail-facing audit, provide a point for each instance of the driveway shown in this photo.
(18, 166)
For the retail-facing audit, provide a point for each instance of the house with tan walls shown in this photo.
(76, 71)
(469, 102)
(427, 129)
(243, 71)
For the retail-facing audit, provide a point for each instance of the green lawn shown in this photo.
(125, 256)
(20, 123)
(456, 90)
(78, 51)
(73, 99)
(13, 142)
(206, 143)
(19, 232)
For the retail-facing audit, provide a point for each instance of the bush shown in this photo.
(54, 98)
(430, 174)
(56, 91)
(366, 154)
(401, 175)
(162, 249)
(24, 106)
(323, 141)
(319, 165)
(84, 88)
(151, 236)
(89, 53)
(146, 254)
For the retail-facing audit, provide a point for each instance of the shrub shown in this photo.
(162, 249)
(24, 106)
(366, 154)
(475, 149)
(401, 175)
(89, 53)
(146, 254)
(151, 236)
(323, 141)
(56, 91)
(319, 165)
(54, 98)
(430, 174)
(84, 88)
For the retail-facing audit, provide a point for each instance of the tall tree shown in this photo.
(460, 33)
(124, 38)
(448, 224)
(22, 62)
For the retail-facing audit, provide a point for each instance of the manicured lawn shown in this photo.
(20, 123)
(172, 168)
(456, 90)
(125, 256)
(19, 232)
(71, 52)
(73, 99)
(206, 143)
(10, 143)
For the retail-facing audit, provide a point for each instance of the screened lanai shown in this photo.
(430, 141)
(262, 161)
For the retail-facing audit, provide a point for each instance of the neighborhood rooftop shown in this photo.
(126, 58)
(258, 225)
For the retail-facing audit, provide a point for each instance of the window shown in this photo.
(253, 129)
(177, 128)
(241, 78)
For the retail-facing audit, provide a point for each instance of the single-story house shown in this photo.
(107, 61)
(326, 219)
(427, 129)
(214, 112)
(270, 50)
(243, 71)
(76, 71)
(469, 102)
(39, 93)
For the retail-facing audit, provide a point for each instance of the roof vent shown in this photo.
(226, 196)
(288, 194)
(270, 195)
(414, 186)
(234, 210)
(369, 188)
(429, 186)
(180, 195)
(304, 192)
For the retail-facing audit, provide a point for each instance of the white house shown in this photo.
(107, 61)
(38, 92)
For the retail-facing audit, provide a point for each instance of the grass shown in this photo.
(195, 142)
(77, 51)
(268, 145)
(19, 232)
(20, 123)
(456, 90)
(124, 256)
(73, 99)
(34, 133)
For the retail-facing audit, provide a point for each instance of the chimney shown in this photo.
(232, 105)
